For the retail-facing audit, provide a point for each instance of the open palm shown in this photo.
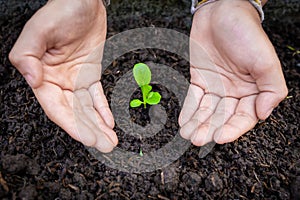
(236, 76)
(59, 53)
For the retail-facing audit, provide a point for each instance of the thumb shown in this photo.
(266, 102)
(27, 53)
(272, 89)
(30, 67)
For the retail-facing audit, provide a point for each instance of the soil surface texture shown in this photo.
(38, 160)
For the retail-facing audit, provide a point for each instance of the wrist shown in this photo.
(224, 8)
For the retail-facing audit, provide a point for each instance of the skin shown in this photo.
(54, 46)
(58, 54)
(236, 76)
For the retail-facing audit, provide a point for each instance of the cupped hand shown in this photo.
(59, 53)
(236, 76)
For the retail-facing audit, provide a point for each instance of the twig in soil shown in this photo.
(61, 139)
(162, 197)
(162, 178)
(100, 196)
(73, 187)
(116, 189)
(253, 187)
(124, 196)
(264, 165)
(243, 197)
(266, 186)
(207, 195)
(3, 183)
(256, 176)
(113, 184)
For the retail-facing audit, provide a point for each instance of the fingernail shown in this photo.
(29, 79)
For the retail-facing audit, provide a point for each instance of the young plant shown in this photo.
(142, 76)
(293, 49)
(141, 152)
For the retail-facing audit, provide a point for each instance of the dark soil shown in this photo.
(38, 160)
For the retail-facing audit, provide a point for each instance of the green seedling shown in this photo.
(142, 76)
(141, 152)
(293, 49)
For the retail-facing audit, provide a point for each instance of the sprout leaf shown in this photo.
(135, 103)
(153, 98)
(142, 74)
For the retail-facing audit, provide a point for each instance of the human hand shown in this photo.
(236, 77)
(59, 53)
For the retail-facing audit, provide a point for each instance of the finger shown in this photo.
(271, 84)
(30, 67)
(105, 137)
(27, 53)
(88, 116)
(205, 132)
(187, 130)
(58, 107)
(101, 104)
(207, 106)
(191, 104)
(267, 101)
(242, 121)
